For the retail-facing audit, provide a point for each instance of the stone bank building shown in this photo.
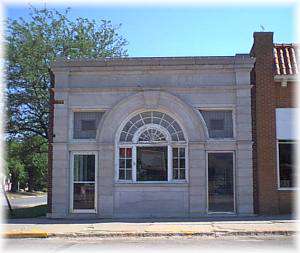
(151, 137)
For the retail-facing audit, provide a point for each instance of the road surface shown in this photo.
(285, 244)
(26, 201)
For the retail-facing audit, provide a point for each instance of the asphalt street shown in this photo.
(26, 201)
(176, 243)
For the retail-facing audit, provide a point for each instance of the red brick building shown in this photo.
(273, 107)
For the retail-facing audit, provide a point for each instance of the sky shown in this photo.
(191, 30)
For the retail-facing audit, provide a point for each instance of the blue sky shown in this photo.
(190, 30)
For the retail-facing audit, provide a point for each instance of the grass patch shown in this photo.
(27, 212)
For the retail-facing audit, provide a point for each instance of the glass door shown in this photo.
(84, 179)
(220, 182)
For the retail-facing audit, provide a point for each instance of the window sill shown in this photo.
(81, 140)
(150, 184)
(83, 211)
(221, 139)
(288, 189)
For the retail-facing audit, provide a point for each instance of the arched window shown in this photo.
(155, 118)
(151, 147)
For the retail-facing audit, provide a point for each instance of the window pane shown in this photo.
(157, 114)
(132, 130)
(175, 173)
(147, 120)
(139, 124)
(128, 174)
(84, 167)
(129, 137)
(171, 129)
(175, 152)
(123, 136)
(168, 118)
(146, 115)
(181, 136)
(165, 124)
(152, 163)
(182, 174)
(175, 163)
(135, 118)
(85, 124)
(127, 126)
(156, 121)
(174, 137)
(121, 174)
(176, 126)
(182, 163)
(220, 182)
(128, 163)
(182, 152)
(121, 163)
(128, 152)
(286, 164)
(84, 196)
(219, 123)
(122, 152)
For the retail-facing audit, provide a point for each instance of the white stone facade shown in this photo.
(178, 86)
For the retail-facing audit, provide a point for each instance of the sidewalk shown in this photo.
(42, 227)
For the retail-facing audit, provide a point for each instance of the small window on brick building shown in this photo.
(286, 164)
(85, 124)
(286, 135)
(219, 123)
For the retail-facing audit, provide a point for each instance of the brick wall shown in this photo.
(254, 148)
(267, 96)
(50, 144)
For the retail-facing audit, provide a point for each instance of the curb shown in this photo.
(25, 234)
(159, 234)
(43, 234)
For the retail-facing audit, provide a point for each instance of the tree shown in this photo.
(14, 166)
(35, 162)
(32, 45)
(27, 163)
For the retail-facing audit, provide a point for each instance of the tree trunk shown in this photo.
(14, 183)
(30, 179)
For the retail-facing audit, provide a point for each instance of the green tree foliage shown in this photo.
(14, 165)
(31, 46)
(27, 168)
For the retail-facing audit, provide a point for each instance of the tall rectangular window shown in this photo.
(178, 163)
(85, 124)
(125, 163)
(220, 182)
(219, 123)
(287, 166)
(84, 168)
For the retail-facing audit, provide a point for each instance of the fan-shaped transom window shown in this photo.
(151, 117)
(152, 135)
